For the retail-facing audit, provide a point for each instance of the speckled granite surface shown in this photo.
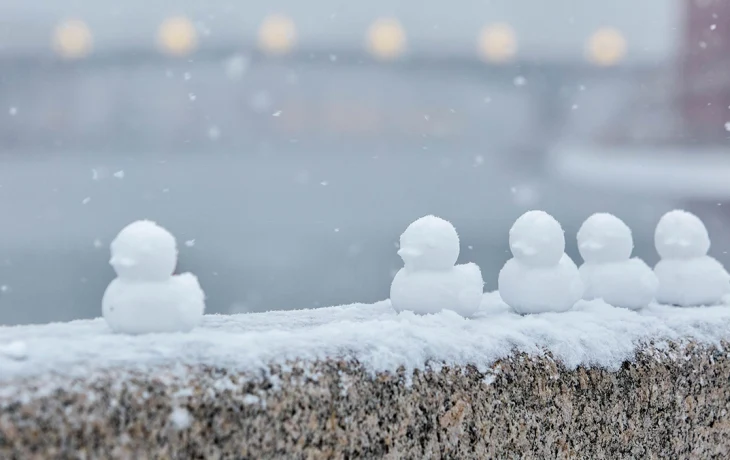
(671, 403)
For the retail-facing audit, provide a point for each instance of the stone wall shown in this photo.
(671, 403)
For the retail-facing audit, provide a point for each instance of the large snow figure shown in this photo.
(608, 271)
(430, 281)
(687, 275)
(146, 296)
(540, 277)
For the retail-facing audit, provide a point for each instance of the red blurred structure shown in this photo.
(705, 71)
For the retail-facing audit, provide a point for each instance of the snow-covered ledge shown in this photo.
(363, 381)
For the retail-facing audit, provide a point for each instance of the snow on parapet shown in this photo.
(592, 334)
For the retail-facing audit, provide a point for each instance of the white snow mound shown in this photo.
(592, 334)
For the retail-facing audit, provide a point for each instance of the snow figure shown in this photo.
(540, 277)
(687, 275)
(608, 271)
(430, 281)
(146, 297)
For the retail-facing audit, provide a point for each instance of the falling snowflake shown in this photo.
(519, 81)
(119, 174)
(727, 126)
(13, 111)
(524, 195)
(236, 67)
(214, 133)
(276, 114)
(86, 200)
(97, 243)
(192, 96)
(190, 243)
(187, 76)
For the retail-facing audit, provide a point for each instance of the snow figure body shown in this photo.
(540, 277)
(687, 275)
(430, 280)
(608, 271)
(146, 297)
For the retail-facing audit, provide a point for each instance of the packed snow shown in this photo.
(604, 238)
(540, 277)
(430, 281)
(687, 275)
(681, 235)
(146, 296)
(537, 239)
(608, 272)
(593, 333)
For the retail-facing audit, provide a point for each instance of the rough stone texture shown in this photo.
(668, 403)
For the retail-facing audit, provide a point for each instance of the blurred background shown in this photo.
(287, 144)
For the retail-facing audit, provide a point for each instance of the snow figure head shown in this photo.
(681, 235)
(144, 251)
(537, 239)
(430, 243)
(604, 238)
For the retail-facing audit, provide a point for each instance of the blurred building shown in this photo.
(151, 74)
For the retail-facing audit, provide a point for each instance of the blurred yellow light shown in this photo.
(606, 47)
(497, 43)
(386, 38)
(277, 35)
(177, 36)
(72, 39)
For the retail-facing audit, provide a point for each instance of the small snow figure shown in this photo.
(430, 281)
(540, 277)
(146, 297)
(608, 271)
(687, 275)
